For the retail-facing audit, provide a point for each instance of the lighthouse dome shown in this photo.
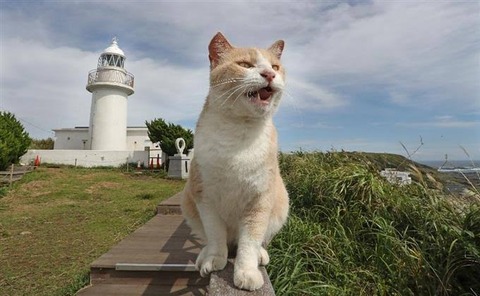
(113, 48)
(110, 71)
(112, 56)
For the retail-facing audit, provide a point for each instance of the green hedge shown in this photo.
(166, 133)
(14, 140)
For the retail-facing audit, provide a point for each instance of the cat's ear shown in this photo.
(277, 48)
(217, 47)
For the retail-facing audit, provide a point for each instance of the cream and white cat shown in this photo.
(235, 196)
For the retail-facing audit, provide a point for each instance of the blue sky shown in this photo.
(361, 75)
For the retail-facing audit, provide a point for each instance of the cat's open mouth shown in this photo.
(262, 95)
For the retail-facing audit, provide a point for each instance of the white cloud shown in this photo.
(408, 49)
(45, 86)
(444, 121)
(347, 144)
(309, 96)
(417, 50)
(342, 58)
(166, 91)
(314, 125)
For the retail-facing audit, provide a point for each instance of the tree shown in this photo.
(45, 144)
(166, 133)
(14, 140)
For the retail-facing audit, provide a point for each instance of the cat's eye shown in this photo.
(245, 65)
(276, 67)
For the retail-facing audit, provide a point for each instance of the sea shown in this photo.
(454, 166)
(464, 174)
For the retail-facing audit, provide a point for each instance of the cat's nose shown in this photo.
(268, 75)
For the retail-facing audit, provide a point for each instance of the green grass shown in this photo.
(349, 233)
(352, 233)
(56, 221)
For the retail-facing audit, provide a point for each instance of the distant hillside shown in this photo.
(380, 161)
(451, 182)
(448, 182)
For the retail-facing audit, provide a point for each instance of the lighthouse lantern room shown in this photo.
(110, 85)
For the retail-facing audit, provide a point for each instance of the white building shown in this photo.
(107, 141)
(396, 177)
(110, 85)
(77, 138)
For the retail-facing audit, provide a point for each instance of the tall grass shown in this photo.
(351, 232)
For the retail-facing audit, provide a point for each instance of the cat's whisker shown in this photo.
(235, 89)
(291, 101)
(224, 81)
(221, 96)
(235, 100)
(230, 89)
(240, 87)
(251, 87)
(230, 92)
(227, 79)
(246, 89)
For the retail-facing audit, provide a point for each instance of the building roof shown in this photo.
(85, 128)
(69, 129)
(113, 48)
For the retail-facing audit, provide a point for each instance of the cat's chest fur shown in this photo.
(233, 155)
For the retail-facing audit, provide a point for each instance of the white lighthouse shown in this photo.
(110, 85)
(107, 140)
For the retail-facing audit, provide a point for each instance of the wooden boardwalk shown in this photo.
(158, 259)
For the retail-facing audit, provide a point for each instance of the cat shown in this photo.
(235, 196)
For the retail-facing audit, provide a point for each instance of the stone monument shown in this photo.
(179, 164)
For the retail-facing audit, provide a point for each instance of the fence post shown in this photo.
(11, 175)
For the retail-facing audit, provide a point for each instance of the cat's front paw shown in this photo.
(263, 258)
(248, 279)
(208, 263)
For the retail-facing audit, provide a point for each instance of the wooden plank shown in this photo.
(155, 267)
(174, 200)
(106, 262)
(169, 210)
(171, 206)
(162, 240)
(111, 276)
(144, 290)
(158, 259)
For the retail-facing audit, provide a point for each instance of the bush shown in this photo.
(351, 232)
(14, 140)
(46, 144)
(167, 133)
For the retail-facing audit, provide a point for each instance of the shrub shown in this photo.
(167, 133)
(14, 140)
(353, 233)
(46, 144)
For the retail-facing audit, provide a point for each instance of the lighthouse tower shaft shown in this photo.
(110, 85)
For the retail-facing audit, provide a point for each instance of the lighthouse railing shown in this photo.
(110, 76)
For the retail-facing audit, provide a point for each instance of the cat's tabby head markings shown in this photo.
(245, 82)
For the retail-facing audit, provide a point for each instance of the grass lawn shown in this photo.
(56, 221)
(350, 232)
